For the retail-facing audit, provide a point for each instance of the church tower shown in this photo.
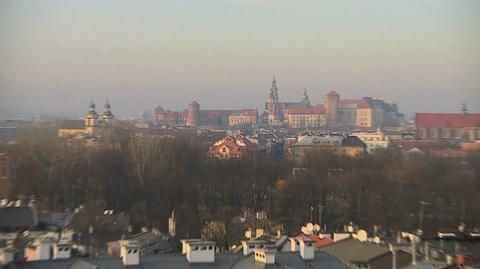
(305, 98)
(273, 109)
(107, 115)
(91, 119)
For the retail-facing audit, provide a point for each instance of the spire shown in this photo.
(305, 99)
(274, 90)
(107, 105)
(107, 114)
(92, 111)
(92, 106)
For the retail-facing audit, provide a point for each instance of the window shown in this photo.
(129, 251)
(210, 247)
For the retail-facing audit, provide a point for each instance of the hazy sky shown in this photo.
(55, 56)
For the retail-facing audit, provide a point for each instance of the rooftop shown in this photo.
(447, 120)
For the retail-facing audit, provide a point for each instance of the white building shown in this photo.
(129, 252)
(199, 251)
(373, 140)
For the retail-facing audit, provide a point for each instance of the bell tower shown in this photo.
(91, 119)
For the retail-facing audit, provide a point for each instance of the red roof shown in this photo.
(318, 109)
(350, 101)
(364, 103)
(194, 103)
(319, 241)
(333, 93)
(447, 120)
(159, 109)
(234, 144)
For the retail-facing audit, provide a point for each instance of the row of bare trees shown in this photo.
(147, 177)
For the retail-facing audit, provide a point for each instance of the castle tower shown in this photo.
(305, 98)
(91, 118)
(193, 114)
(107, 115)
(272, 104)
(331, 105)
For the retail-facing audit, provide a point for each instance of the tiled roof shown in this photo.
(353, 141)
(318, 109)
(447, 120)
(333, 93)
(350, 101)
(159, 109)
(364, 103)
(350, 250)
(319, 241)
(194, 103)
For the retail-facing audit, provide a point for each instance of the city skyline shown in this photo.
(58, 56)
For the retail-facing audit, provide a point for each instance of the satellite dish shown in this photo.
(362, 236)
(248, 234)
(305, 230)
(310, 226)
(316, 228)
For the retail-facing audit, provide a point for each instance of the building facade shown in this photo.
(365, 113)
(194, 117)
(92, 123)
(232, 147)
(449, 126)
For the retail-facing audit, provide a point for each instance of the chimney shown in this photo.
(394, 256)
(172, 223)
(129, 252)
(307, 249)
(265, 255)
(294, 244)
(460, 260)
(250, 245)
(200, 251)
(427, 257)
(259, 232)
(414, 252)
(62, 251)
(449, 259)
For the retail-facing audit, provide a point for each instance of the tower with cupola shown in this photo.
(107, 116)
(91, 119)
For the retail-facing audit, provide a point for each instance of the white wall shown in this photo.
(201, 253)
(307, 249)
(61, 252)
(6, 256)
(40, 251)
(130, 254)
(265, 257)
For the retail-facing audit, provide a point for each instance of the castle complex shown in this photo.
(194, 117)
(366, 112)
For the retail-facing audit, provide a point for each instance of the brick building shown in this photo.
(457, 126)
